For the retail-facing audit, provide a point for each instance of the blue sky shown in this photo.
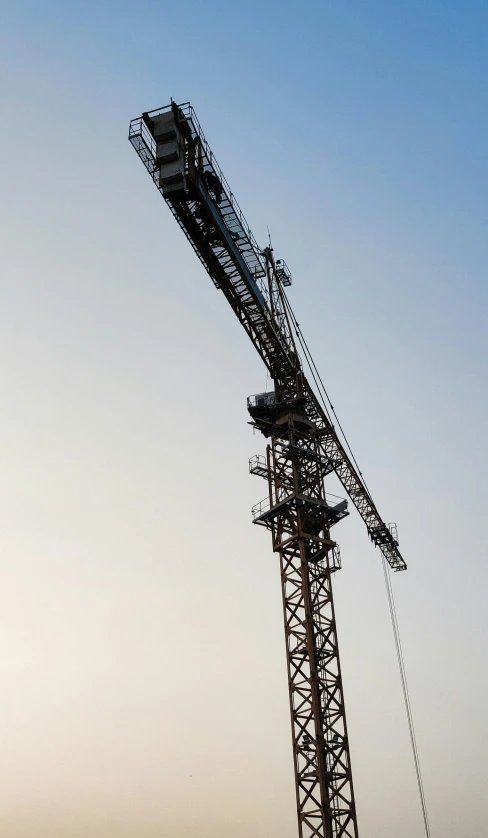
(357, 132)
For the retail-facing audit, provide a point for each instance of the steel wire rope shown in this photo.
(386, 570)
(316, 383)
(406, 695)
(311, 363)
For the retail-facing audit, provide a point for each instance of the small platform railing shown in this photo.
(259, 466)
(332, 502)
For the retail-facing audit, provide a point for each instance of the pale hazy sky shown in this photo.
(143, 668)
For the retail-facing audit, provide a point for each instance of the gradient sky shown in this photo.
(142, 653)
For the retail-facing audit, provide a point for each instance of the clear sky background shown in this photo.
(142, 652)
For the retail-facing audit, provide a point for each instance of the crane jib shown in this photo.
(171, 144)
(230, 244)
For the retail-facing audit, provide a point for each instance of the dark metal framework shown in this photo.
(303, 449)
(215, 226)
(300, 516)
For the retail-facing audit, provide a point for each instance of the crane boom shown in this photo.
(192, 183)
(303, 448)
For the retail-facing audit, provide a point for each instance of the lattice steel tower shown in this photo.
(303, 448)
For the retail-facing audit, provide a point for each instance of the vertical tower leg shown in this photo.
(300, 517)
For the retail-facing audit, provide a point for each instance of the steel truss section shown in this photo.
(304, 448)
(251, 281)
(308, 557)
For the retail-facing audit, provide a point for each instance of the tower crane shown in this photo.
(302, 449)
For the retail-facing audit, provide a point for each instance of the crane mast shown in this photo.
(302, 449)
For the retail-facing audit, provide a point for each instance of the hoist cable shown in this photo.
(406, 696)
(386, 569)
(311, 363)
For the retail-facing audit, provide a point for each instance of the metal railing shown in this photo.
(252, 252)
(265, 505)
(261, 400)
(258, 465)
